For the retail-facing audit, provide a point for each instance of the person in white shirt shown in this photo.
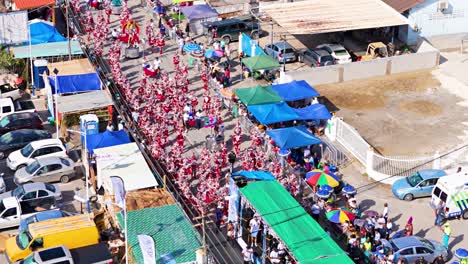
(121, 125)
(198, 119)
(157, 63)
(188, 108)
(110, 127)
(314, 101)
(247, 255)
(274, 256)
(385, 212)
(114, 34)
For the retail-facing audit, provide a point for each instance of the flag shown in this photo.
(147, 249)
(119, 191)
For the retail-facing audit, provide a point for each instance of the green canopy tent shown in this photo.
(302, 235)
(260, 62)
(258, 95)
(173, 234)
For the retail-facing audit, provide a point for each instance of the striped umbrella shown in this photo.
(197, 54)
(339, 215)
(189, 47)
(319, 177)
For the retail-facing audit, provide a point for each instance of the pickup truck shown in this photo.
(94, 254)
(8, 91)
(12, 211)
(8, 106)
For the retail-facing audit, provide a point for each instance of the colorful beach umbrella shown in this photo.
(319, 177)
(189, 47)
(339, 215)
(198, 54)
(210, 54)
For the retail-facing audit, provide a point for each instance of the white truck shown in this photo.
(12, 211)
(8, 106)
(8, 91)
(452, 190)
(94, 254)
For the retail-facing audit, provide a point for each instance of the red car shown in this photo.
(19, 121)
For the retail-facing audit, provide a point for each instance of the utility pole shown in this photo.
(67, 6)
(203, 224)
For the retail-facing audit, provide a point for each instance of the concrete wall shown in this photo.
(364, 69)
(321, 75)
(426, 57)
(429, 22)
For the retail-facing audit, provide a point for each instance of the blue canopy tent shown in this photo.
(255, 175)
(197, 15)
(43, 32)
(292, 137)
(106, 139)
(273, 113)
(75, 83)
(313, 112)
(295, 90)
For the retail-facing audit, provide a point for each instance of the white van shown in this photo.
(453, 191)
(40, 148)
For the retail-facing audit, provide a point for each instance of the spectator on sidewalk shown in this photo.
(247, 255)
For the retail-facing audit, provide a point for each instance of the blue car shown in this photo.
(419, 184)
(42, 216)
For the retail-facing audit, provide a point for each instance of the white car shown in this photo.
(40, 148)
(338, 52)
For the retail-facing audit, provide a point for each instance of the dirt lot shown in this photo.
(401, 114)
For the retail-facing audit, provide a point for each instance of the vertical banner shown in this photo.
(147, 249)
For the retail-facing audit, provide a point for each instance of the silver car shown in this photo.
(46, 169)
(411, 248)
(35, 193)
(287, 52)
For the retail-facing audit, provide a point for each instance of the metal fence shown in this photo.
(352, 141)
(332, 154)
(400, 165)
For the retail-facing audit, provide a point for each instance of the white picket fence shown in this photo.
(386, 169)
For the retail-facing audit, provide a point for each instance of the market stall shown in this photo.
(196, 15)
(287, 222)
(257, 95)
(273, 113)
(292, 137)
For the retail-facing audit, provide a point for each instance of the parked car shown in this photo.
(8, 91)
(12, 210)
(338, 52)
(316, 57)
(33, 193)
(46, 169)
(17, 139)
(8, 106)
(411, 248)
(41, 216)
(40, 148)
(419, 184)
(288, 53)
(94, 254)
(19, 121)
(228, 29)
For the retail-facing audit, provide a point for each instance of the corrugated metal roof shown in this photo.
(84, 101)
(403, 5)
(324, 16)
(29, 4)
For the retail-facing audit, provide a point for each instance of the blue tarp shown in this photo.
(247, 43)
(292, 137)
(198, 12)
(313, 112)
(44, 32)
(273, 113)
(75, 83)
(255, 175)
(295, 90)
(106, 139)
